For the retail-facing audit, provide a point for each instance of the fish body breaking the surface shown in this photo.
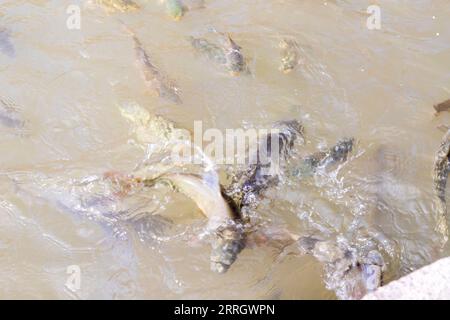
(339, 152)
(224, 218)
(118, 5)
(154, 79)
(222, 208)
(440, 176)
(290, 57)
(261, 175)
(235, 59)
(229, 55)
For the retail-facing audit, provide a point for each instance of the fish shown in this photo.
(150, 129)
(235, 59)
(209, 49)
(229, 55)
(6, 46)
(177, 8)
(224, 211)
(118, 5)
(154, 79)
(224, 218)
(338, 153)
(350, 272)
(440, 176)
(442, 107)
(203, 188)
(290, 57)
(259, 178)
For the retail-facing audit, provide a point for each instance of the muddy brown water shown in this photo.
(378, 86)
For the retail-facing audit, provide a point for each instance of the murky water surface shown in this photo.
(61, 123)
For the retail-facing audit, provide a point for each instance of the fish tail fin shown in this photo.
(233, 44)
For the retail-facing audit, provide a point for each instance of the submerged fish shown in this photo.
(441, 107)
(6, 46)
(440, 176)
(118, 5)
(153, 78)
(229, 55)
(177, 8)
(290, 56)
(9, 115)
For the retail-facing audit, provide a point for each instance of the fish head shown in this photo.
(341, 150)
(228, 242)
(288, 132)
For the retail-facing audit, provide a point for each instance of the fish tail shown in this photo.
(229, 241)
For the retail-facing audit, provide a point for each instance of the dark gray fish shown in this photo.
(6, 46)
(235, 59)
(229, 240)
(231, 237)
(259, 177)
